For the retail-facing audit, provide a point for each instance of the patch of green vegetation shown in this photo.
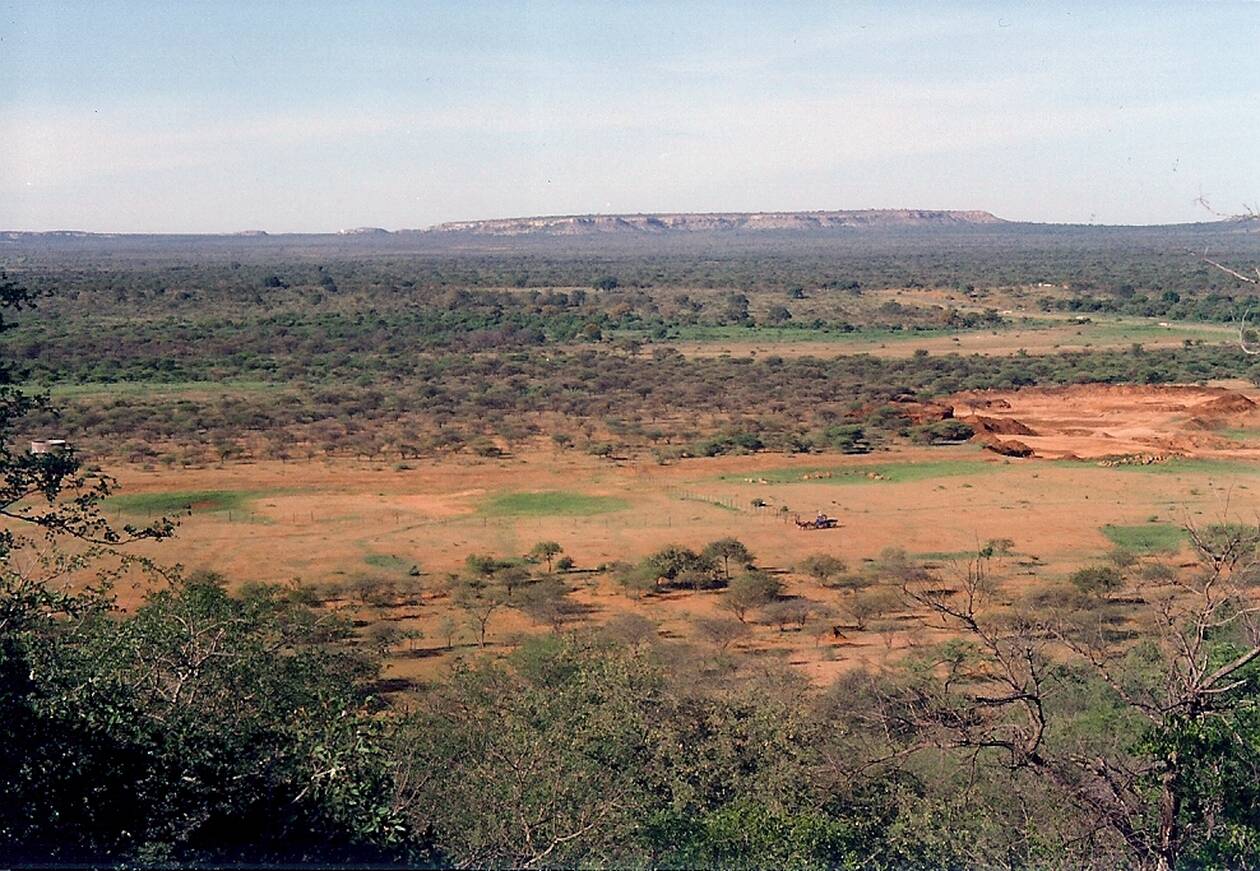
(1146, 537)
(1240, 435)
(550, 503)
(1194, 466)
(386, 561)
(196, 501)
(737, 333)
(893, 473)
(1122, 331)
(944, 556)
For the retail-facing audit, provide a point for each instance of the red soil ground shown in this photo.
(312, 522)
(1093, 421)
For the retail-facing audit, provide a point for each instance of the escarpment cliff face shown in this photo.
(709, 222)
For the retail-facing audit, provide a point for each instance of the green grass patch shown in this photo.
(1240, 435)
(386, 561)
(1194, 466)
(550, 503)
(196, 501)
(1128, 331)
(944, 556)
(1146, 538)
(874, 473)
(789, 334)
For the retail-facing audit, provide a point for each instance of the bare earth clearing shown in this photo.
(1048, 339)
(339, 520)
(1092, 421)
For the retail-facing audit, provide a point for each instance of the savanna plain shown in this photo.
(892, 547)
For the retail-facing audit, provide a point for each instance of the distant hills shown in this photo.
(710, 222)
(658, 223)
(717, 227)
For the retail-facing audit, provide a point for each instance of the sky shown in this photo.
(228, 116)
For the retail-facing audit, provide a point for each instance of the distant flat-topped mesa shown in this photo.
(692, 222)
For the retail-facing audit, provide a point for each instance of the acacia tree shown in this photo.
(871, 603)
(546, 551)
(721, 632)
(750, 590)
(448, 629)
(511, 577)
(479, 600)
(727, 549)
(1175, 774)
(822, 567)
(548, 602)
(674, 562)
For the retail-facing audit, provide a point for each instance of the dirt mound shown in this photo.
(1227, 403)
(928, 412)
(1000, 425)
(1009, 448)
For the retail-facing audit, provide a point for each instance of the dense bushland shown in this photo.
(415, 405)
(415, 347)
(250, 728)
(227, 269)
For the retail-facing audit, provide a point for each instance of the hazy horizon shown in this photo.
(351, 230)
(132, 117)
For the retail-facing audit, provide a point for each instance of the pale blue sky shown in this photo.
(208, 117)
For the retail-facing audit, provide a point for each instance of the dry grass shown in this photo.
(332, 521)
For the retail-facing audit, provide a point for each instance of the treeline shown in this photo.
(1152, 259)
(64, 343)
(415, 405)
(1126, 300)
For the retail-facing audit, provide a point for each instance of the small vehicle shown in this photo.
(821, 521)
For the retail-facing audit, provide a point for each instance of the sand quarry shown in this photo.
(1111, 421)
(311, 522)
